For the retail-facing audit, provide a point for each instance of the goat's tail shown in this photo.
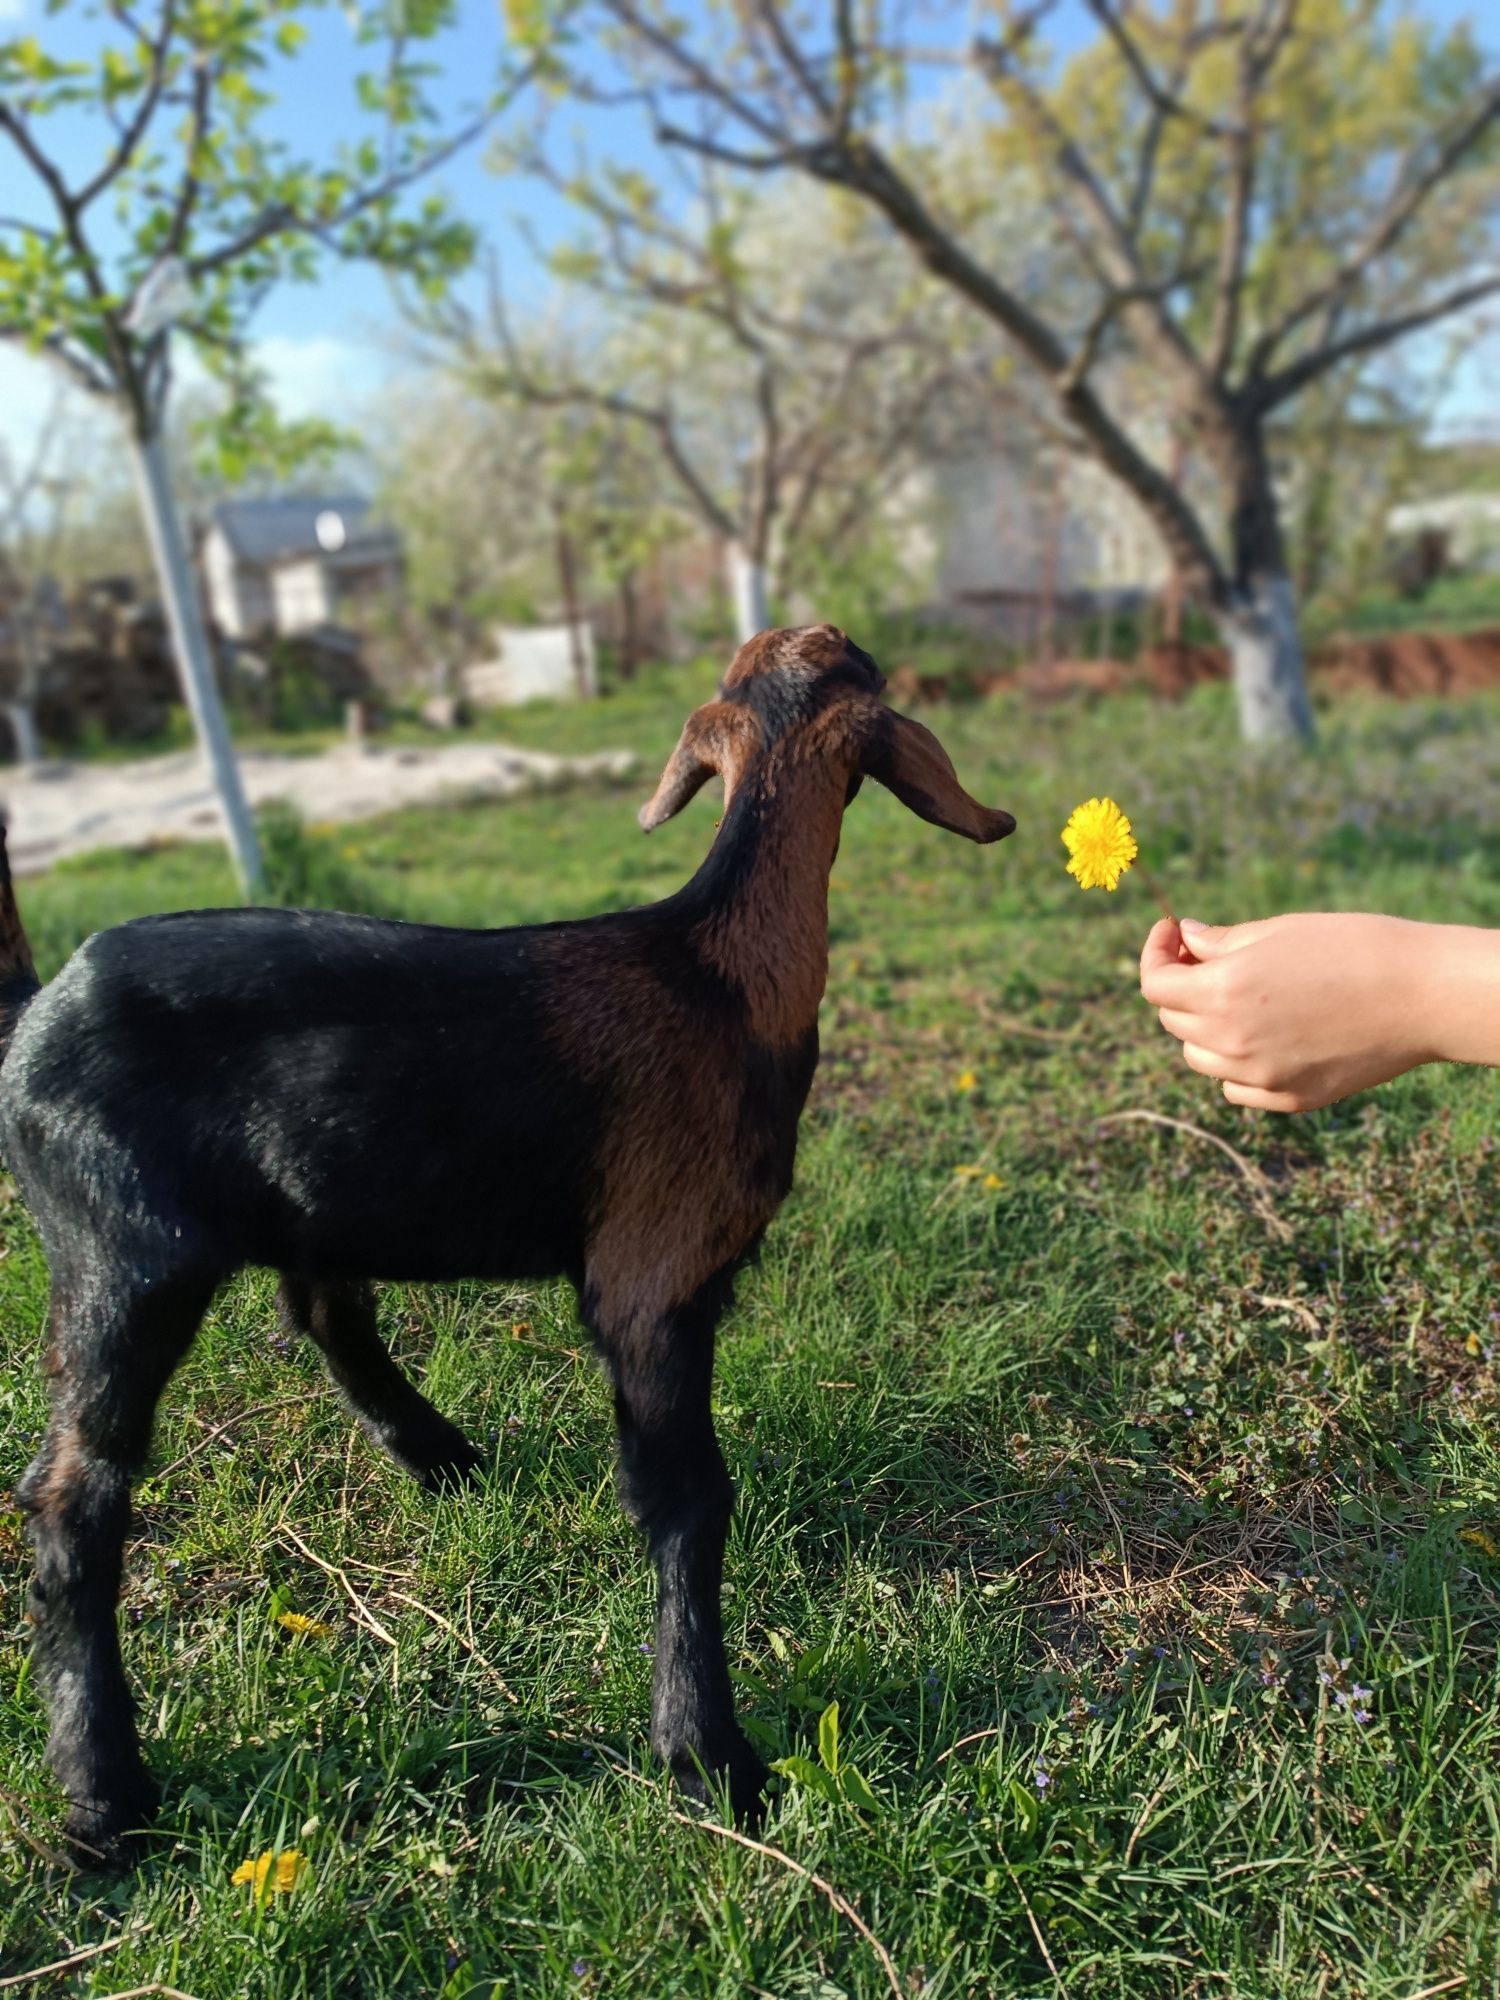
(19, 984)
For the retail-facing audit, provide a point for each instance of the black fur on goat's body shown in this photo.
(346, 1099)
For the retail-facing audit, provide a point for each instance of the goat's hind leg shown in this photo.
(116, 1336)
(339, 1318)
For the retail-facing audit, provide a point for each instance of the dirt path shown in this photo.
(57, 809)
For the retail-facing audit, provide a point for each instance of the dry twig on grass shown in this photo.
(1255, 1180)
(60, 1965)
(362, 1611)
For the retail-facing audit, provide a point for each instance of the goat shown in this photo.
(346, 1099)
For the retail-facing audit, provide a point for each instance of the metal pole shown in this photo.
(194, 662)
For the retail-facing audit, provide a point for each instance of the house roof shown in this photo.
(268, 531)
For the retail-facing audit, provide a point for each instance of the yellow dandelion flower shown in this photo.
(1100, 844)
(968, 1081)
(1480, 1540)
(297, 1622)
(993, 1182)
(1472, 1345)
(967, 1173)
(272, 1874)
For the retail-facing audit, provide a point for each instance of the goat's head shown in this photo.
(812, 691)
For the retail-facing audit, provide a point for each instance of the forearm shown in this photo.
(1459, 979)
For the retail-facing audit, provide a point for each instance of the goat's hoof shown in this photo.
(106, 1833)
(735, 1769)
(453, 1466)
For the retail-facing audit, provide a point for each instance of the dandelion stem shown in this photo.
(1156, 889)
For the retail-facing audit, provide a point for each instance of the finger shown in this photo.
(1264, 1100)
(1209, 941)
(1166, 983)
(1205, 1061)
(1162, 945)
(1182, 1025)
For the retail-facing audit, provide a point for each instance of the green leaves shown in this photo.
(830, 1777)
(193, 170)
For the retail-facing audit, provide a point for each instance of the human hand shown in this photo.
(1297, 1011)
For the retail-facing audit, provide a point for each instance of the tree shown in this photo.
(1252, 197)
(34, 502)
(495, 500)
(193, 212)
(784, 395)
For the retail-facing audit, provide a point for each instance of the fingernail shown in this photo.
(1190, 924)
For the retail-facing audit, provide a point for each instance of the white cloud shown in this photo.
(12, 10)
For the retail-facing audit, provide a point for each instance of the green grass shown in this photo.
(1067, 1490)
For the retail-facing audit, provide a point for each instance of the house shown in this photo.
(1002, 540)
(291, 565)
(536, 663)
(1467, 525)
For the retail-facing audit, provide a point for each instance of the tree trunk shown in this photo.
(1257, 613)
(194, 661)
(22, 722)
(21, 713)
(1259, 628)
(749, 592)
(572, 611)
(630, 639)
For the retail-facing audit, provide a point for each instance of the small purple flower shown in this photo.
(580, 1968)
(1041, 1777)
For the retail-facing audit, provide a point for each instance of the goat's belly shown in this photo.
(434, 1215)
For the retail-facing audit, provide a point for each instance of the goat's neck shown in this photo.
(763, 894)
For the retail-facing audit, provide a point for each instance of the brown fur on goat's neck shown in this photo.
(764, 920)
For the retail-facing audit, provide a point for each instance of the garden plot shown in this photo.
(58, 809)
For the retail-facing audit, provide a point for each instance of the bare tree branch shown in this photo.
(862, 167)
(1412, 188)
(1281, 387)
(55, 348)
(1260, 44)
(1113, 245)
(134, 129)
(1163, 99)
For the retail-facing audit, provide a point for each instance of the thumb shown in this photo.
(1205, 941)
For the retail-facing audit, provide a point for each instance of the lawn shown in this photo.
(1135, 1498)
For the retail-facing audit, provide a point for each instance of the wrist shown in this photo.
(1457, 986)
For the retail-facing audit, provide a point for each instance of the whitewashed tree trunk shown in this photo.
(749, 592)
(194, 661)
(1259, 628)
(23, 732)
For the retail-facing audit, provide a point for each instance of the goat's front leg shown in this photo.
(116, 1337)
(675, 1486)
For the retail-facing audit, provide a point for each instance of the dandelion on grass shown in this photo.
(274, 1873)
(299, 1625)
(967, 1081)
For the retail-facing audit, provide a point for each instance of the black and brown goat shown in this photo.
(344, 1099)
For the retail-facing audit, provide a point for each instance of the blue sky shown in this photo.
(328, 346)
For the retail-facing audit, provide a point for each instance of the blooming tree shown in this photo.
(1251, 195)
(193, 211)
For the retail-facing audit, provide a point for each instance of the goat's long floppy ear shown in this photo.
(713, 739)
(909, 761)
